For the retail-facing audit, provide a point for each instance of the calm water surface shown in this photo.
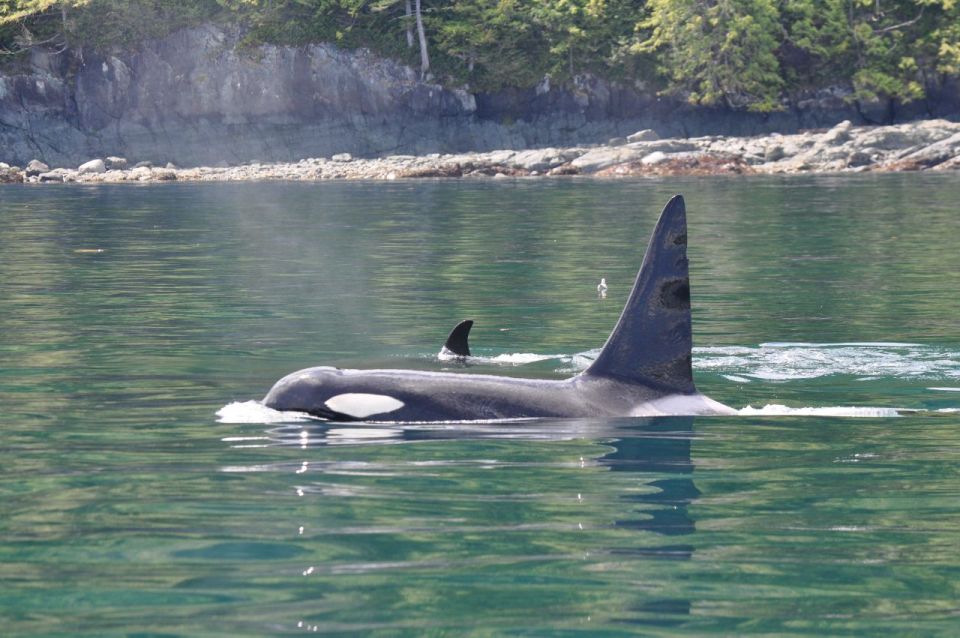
(131, 315)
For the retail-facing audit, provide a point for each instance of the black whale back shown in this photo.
(652, 341)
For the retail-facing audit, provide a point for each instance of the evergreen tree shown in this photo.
(489, 44)
(718, 51)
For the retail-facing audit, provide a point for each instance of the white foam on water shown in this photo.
(787, 361)
(945, 389)
(774, 409)
(520, 358)
(256, 412)
(867, 344)
(360, 434)
(583, 360)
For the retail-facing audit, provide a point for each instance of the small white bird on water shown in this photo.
(602, 287)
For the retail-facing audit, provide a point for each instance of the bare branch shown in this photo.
(902, 24)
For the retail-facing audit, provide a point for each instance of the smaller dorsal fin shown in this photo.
(456, 342)
(652, 341)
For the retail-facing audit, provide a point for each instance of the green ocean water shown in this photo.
(144, 492)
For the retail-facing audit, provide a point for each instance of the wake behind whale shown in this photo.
(643, 369)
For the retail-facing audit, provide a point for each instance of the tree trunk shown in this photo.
(409, 14)
(424, 56)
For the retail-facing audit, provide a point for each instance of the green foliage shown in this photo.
(488, 40)
(817, 48)
(882, 48)
(99, 23)
(741, 53)
(123, 23)
(584, 35)
(16, 10)
(28, 23)
(718, 52)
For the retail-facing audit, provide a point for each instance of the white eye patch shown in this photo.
(360, 405)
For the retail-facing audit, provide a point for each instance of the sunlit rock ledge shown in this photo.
(917, 146)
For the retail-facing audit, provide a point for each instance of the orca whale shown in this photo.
(644, 369)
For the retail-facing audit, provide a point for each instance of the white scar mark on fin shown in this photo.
(360, 405)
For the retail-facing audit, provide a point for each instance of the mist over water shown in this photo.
(147, 491)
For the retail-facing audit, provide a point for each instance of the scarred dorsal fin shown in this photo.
(652, 341)
(456, 342)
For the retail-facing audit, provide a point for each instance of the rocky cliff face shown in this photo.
(197, 97)
(194, 97)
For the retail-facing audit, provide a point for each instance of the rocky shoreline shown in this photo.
(916, 146)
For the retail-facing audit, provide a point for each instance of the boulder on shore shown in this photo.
(93, 166)
(35, 167)
(10, 174)
(646, 135)
(51, 176)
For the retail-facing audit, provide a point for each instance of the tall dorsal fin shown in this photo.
(457, 340)
(652, 341)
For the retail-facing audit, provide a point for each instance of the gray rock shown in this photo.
(826, 149)
(10, 175)
(791, 148)
(114, 163)
(537, 160)
(499, 157)
(646, 135)
(93, 166)
(51, 177)
(907, 151)
(667, 146)
(163, 174)
(774, 153)
(616, 141)
(906, 138)
(598, 159)
(886, 138)
(859, 158)
(145, 164)
(949, 165)
(937, 152)
(837, 135)
(171, 166)
(654, 158)
(342, 157)
(35, 167)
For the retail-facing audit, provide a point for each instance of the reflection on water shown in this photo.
(654, 453)
(659, 448)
